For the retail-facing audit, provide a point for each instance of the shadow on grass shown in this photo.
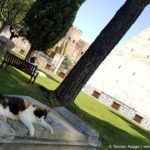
(145, 133)
(110, 134)
(50, 77)
(15, 82)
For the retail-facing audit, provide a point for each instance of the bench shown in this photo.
(26, 67)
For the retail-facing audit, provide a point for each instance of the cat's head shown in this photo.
(40, 112)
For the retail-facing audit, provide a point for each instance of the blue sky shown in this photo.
(94, 15)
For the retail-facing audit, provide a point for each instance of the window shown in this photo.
(95, 94)
(48, 66)
(138, 118)
(82, 53)
(115, 105)
(22, 51)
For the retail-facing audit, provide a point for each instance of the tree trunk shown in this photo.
(13, 35)
(99, 49)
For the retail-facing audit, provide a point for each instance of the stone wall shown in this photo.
(81, 47)
(75, 47)
(5, 32)
(43, 59)
(6, 44)
(22, 45)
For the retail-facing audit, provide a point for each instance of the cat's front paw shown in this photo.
(52, 131)
(31, 133)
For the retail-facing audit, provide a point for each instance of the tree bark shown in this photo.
(99, 49)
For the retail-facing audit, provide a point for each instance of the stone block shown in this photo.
(85, 129)
(6, 132)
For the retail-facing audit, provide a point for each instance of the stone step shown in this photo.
(78, 124)
(43, 147)
(65, 132)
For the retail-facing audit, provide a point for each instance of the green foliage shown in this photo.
(48, 20)
(51, 51)
(67, 62)
(12, 12)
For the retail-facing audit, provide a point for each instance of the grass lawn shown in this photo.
(113, 127)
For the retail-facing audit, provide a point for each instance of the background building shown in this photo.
(72, 45)
(125, 78)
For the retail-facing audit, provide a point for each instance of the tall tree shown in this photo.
(12, 13)
(99, 49)
(47, 22)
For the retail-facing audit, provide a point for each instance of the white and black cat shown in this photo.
(20, 109)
